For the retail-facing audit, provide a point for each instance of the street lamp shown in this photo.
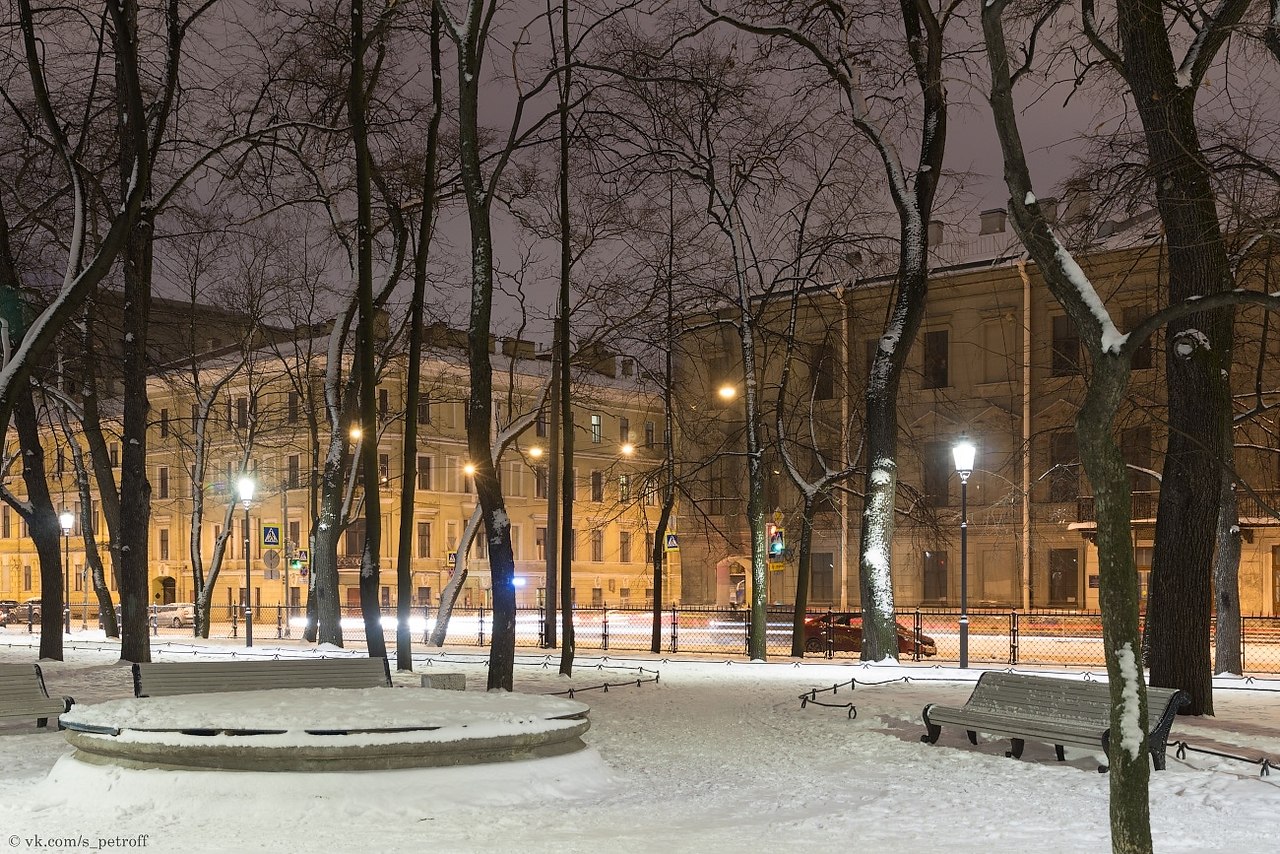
(964, 452)
(67, 520)
(245, 488)
(727, 392)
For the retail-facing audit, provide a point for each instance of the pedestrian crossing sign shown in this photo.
(271, 536)
(673, 544)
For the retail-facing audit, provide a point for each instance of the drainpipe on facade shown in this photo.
(1026, 432)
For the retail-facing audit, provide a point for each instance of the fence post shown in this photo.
(1013, 636)
(233, 622)
(279, 622)
(1242, 643)
(919, 626)
(480, 629)
(542, 627)
(604, 629)
(675, 629)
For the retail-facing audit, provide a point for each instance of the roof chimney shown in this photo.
(935, 232)
(992, 221)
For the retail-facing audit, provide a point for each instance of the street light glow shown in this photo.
(356, 433)
(628, 449)
(964, 452)
(469, 469)
(727, 392)
(67, 520)
(535, 451)
(245, 487)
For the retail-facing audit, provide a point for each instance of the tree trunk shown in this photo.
(42, 522)
(135, 489)
(324, 558)
(1179, 605)
(804, 575)
(449, 595)
(658, 557)
(92, 557)
(1226, 581)
(552, 538)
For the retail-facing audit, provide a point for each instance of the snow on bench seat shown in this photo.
(23, 695)
(169, 678)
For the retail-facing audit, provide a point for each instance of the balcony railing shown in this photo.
(1259, 507)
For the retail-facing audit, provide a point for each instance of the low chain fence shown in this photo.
(1008, 637)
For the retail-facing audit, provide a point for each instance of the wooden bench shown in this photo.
(168, 678)
(1056, 711)
(23, 695)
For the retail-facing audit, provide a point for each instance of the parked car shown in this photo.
(176, 614)
(6, 607)
(845, 633)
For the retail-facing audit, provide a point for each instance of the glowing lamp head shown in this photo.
(628, 449)
(245, 487)
(964, 452)
(469, 469)
(727, 392)
(356, 433)
(67, 521)
(535, 452)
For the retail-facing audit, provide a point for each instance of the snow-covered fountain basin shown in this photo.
(325, 729)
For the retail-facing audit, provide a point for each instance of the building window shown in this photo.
(353, 538)
(597, 545)
(1135, 446)
(936, 344)
(295, 535)
(424, 539)
(294, 478)
(597, 428)
(164, 423)
(822, 576)
(1133, 315)
(242, 412)
(938, 465)
(164, 544)
(539, 482)
(59, 462)
(384, 468)
(26, 577)
(424, 472)
(597, 597)
(624, 546)
(624, 487)
(384, 402)
(597, 486)
(628, 366)
(1064, 467)
(935, 576)
(6, 523)
(162, 481)
(540, 425)
(424, 408)
(624, 429)
(293, 407)
(1064, 577)
(648, 434)
(540, 543)
(114, 452)
(1066, 348)
(822, 368)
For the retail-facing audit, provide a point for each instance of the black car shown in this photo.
(844, 632)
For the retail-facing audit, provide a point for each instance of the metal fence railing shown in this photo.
(1071, 638)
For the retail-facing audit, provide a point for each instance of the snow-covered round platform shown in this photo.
(325, 729)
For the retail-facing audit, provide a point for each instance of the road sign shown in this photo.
(271, 536)
(451, 560)
(673, 543)
(302, 556)
(777, 566)
(271, 558)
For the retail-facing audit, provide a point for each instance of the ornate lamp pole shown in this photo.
(245, 487)
(964, 452)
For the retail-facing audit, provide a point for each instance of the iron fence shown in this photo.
(1049, 637)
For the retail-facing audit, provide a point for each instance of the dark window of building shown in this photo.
(242, 412)
(540, 425)
(294, 402)
(822, 578)
(597, 486)
(822, 367)
(624, 430)
(935, 576)
(624, 487)
(597, 545)
(1133, 315)
(936, 344)
(353, 538)
(384, 402)
(648, 434)
(1066, 347)
(114, 452)
(424, 472)
(424, 539)
(624, 546)
(539, 482)
(164, 543)
(384, 468)
(164, 423)
(1064, 578)
(295, 471)
(1064, 466)
(424, 409)
(162, 481)
(938, 465)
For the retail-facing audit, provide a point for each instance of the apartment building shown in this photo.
(996, 361)
(257, 412)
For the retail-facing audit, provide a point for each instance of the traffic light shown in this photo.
(777, 541)
(295, 563)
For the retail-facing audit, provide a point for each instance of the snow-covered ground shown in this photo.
(716, 756)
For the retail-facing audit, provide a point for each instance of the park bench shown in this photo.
(23, 695)
(168, 678)
(1056, 711)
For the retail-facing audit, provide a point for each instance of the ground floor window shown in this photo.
(1064, 578)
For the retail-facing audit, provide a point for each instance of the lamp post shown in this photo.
(245, 487)
(67, 520)
(964, 452)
